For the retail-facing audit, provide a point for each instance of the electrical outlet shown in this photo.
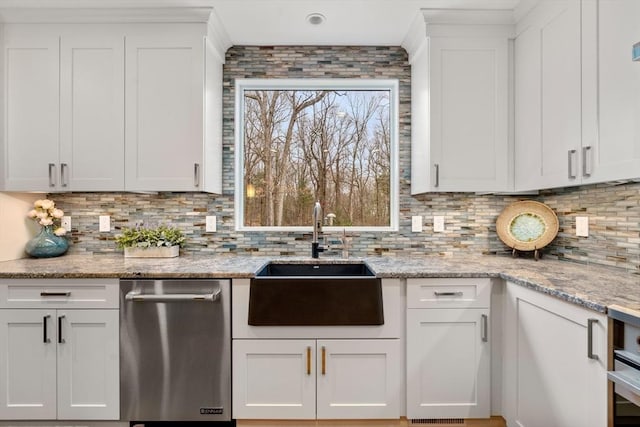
(65, 222)
(211, 225)
(105, 223)
(416, 223)
(582, 226)
(438, 224)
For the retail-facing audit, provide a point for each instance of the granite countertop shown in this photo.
(594, 287)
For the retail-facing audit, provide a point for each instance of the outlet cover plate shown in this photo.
(582, 226)
(416, 223)
(438, 223)
(65, 222)
(211, 224)
(105, 223)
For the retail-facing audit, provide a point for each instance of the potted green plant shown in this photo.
(156, 242)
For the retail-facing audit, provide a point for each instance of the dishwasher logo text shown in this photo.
(211, 411)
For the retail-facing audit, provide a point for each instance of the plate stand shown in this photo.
(536, 253)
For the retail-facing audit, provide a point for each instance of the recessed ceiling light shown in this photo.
(316, 18)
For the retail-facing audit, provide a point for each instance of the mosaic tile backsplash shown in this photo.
(613, 209)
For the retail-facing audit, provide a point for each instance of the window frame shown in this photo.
(392, 85)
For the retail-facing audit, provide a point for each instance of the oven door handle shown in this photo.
(623, 380)
(134, 296)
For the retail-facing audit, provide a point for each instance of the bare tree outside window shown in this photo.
(334, 145)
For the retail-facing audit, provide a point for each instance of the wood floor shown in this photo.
(493, 422)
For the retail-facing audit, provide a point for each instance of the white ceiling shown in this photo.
(348, 22)
(261, 22)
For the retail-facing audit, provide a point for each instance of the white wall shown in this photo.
(15, 228)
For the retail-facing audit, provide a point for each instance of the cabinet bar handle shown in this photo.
(55, 294)
(63, 167)
(324, 360)
(45, 338)
(60, 339)
(447, 294)
(308, 360)
(196, 174)
(485, 328)
(52, 174)
(586, 161)
(570, 154)
(590, 323)
(437, 167)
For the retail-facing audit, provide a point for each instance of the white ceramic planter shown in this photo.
(156, 252)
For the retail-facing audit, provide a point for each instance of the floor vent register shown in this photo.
(438, 421)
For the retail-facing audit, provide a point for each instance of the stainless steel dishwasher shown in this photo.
(175, 350)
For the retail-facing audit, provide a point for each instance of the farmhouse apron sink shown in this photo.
(317, 294)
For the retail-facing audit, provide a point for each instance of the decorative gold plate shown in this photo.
(527, 225)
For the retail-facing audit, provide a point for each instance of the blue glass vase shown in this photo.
(46, 244)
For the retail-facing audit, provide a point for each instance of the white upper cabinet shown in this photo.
(611, 90)
(548, 136)
(164, 109)
(64, 109)
(78, 119)
(31, 109)
(92, 110)
(460, 77)
(577, 91)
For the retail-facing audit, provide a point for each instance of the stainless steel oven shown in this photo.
(625, 373)
(175, 346)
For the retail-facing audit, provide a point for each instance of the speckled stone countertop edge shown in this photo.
(592, 287)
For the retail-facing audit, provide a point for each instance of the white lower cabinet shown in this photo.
(448, 363)
(59, 363)
(553, 374)
(448, 349)
(324, 379)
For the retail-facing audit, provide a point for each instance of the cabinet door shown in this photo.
(274, 379)
(469, 113)
(548, 96)
(358, 379)
(31, 57)
(92, 111)
(550, 380)
(448, 363)
(27, 364)
(88, 365)
(164, 111)
(611, 90)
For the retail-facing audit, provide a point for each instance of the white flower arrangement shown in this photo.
(46, 214)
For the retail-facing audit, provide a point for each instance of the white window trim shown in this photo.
(391, 85)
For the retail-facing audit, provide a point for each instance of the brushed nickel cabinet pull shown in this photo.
(571, 154)
(64, 169)
(52, 174)
(196, 174)
(448, 294)
(437, 167)
(586, 161)
(590, 323)
(484, 328)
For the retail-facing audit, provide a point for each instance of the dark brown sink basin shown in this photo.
(315, 295)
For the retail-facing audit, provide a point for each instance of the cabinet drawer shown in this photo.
(59, 293)
(448, 293)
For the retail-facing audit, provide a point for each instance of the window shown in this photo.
(334, 141)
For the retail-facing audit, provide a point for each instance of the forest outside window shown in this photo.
(302, 141)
